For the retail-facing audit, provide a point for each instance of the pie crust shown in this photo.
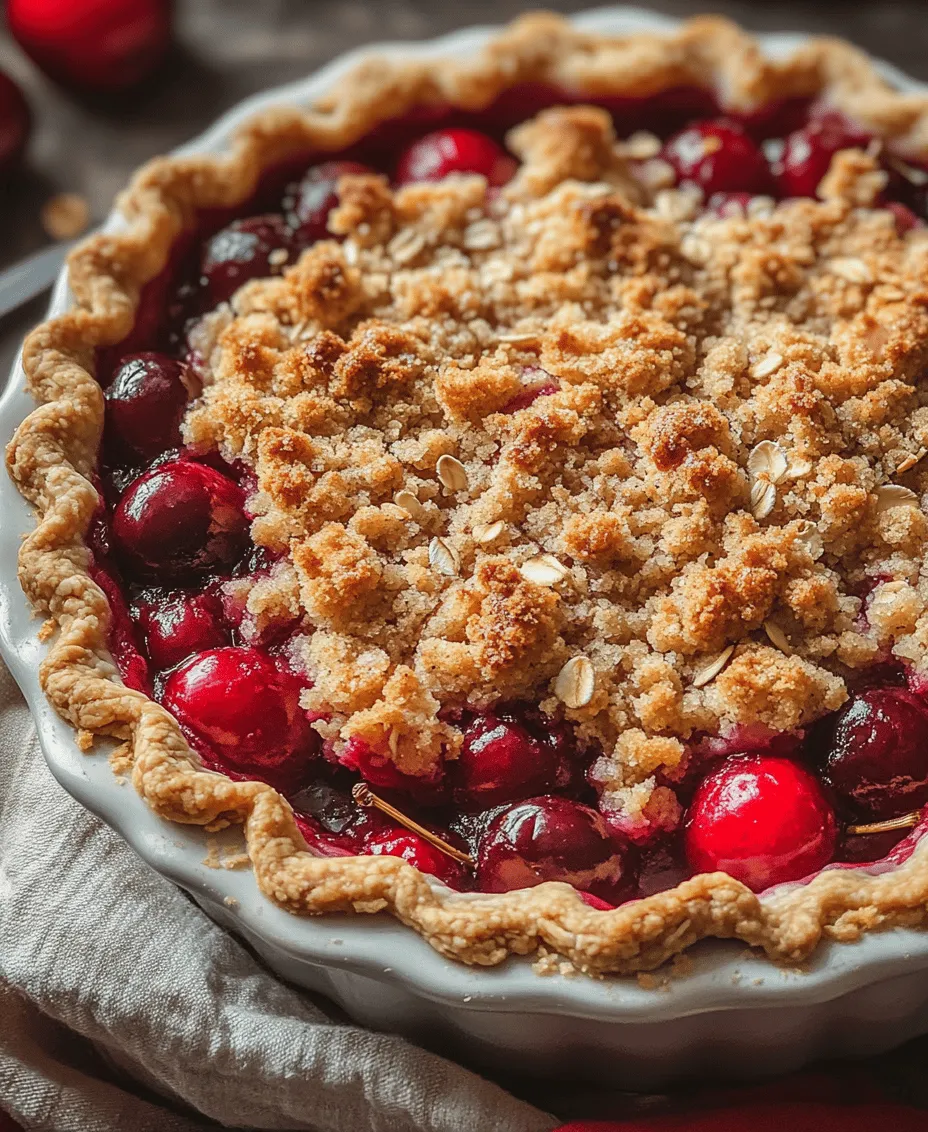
(53, 456)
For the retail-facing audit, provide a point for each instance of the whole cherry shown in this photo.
(246, 708)
(181, 518)
(15, 124)
(421, 854)
(553, 838)
(145, 403)
(877, 759)
(807, 153)
(245, 249)
(500, 760)
(717, 157)
(178, 625)
(763, 820)
(308, 202)
(93, 45)
(442, 152)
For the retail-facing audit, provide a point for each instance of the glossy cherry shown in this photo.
(718, 157)
(500, 760)
(438, 154)
(246, 708)
(93, 45)
(308, 202)
(421, 854)
(145, 403)
(552, 838)
(245, 249)
(180, 518)
(807, 153)
(178, 625)
(763, 820)
(877, 760)
(15, 123)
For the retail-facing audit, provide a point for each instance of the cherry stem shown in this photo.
(906, 821)
(364, 796)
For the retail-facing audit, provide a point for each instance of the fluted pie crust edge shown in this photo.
(53, 454)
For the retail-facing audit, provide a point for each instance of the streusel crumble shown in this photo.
(509, 436)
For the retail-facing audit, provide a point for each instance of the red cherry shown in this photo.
(308, 202)
(241, 251)
(179, 625)
(93, 45)
(15, 123)
(181, 518)
(145, 403)
(247, 709)
(421, 854)
(499, 761)
(552, 838)
(717, 157)
(807, 153)
(877, 761)
(433, 156)
(761, 819)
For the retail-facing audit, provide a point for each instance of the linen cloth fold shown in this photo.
(105, 963)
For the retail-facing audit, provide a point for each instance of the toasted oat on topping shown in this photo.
(576, 682)
(544, 570)
(895, 495)
(488, 532)
(707, 672)
(451, 473)
(777, 637)
(443, 557)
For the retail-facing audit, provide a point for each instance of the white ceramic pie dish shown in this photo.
(730, 1012)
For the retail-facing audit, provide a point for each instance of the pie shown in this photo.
(500, 488)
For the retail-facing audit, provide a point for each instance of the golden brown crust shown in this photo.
(55, 449)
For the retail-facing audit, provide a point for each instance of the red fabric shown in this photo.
(792, 1117)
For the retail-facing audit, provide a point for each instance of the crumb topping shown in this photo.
(581, 443)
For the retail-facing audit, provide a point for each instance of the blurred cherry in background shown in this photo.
(93, 46)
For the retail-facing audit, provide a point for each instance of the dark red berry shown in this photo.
(15, 123)
(145, 403)
(877, 761)
(434, 156)
(308, 202)
(180, 518)
(93, 45)
(243, 250)
(500, 761)
(179, 625)
(807, 153)
(247, 709)
(552, 838)
(421, 854)
(717, 157)
(761, 819)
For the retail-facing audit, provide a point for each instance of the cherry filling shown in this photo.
(180, 518)
(247, 709)
(718, 157)
(516, 801)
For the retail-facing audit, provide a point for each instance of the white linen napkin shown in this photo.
(101, 955)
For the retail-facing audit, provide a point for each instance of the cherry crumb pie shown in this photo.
(501, 488)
